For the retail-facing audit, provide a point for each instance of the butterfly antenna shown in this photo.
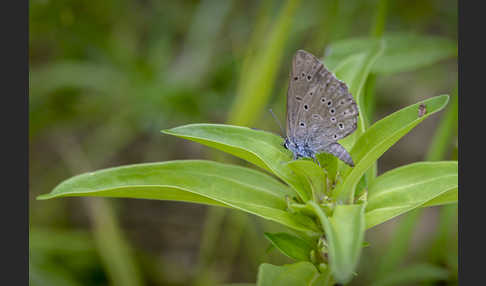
(278, 122)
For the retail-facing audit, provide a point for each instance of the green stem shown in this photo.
(378, 27)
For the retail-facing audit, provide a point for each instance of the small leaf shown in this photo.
(313, 174)
(298, 274)
(406, 188)
(381, 136)
(195, 181)
(290, 245)
(344, 234)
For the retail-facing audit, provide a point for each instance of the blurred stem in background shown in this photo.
(192, 64)
(259, 71)
(114, 250)
(325, 33)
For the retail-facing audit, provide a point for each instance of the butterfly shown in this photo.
(320, 110)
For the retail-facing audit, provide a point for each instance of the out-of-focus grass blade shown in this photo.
(254, 92)
(200, 43)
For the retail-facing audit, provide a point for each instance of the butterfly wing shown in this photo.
(327, 111)
(302, 75)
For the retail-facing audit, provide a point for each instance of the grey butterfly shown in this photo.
(320, 110)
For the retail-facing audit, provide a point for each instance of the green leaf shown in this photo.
(344, 234)
(314, 176)
(261, 148)
(290, 245)
(412, 275)
(403, 52)
(298, 274)
(406, 188)
(194, 181)
(381, 136)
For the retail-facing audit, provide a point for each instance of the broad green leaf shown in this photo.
(298, 274)
(412, 275)
(449, 197)
(403, 52)
(314, 176)
(344, 234)
(408, 187)
(290, 245)
(261, 148)
(381, 136)
(194, 181)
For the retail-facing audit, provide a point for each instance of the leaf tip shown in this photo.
(43, 197)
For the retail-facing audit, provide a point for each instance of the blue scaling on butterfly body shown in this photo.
(299, 151)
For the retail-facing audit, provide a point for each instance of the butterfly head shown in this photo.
(299, 150)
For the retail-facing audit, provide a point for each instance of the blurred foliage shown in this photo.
(106, 76)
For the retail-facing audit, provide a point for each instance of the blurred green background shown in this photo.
(107, 76)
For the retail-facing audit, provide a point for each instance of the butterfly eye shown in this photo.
(332, 110)
(333, 119)
(302, 124)
(341, 126)
(323, 99)
(309, 77)
(335, 136)
(329, 102)
(306, 107)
